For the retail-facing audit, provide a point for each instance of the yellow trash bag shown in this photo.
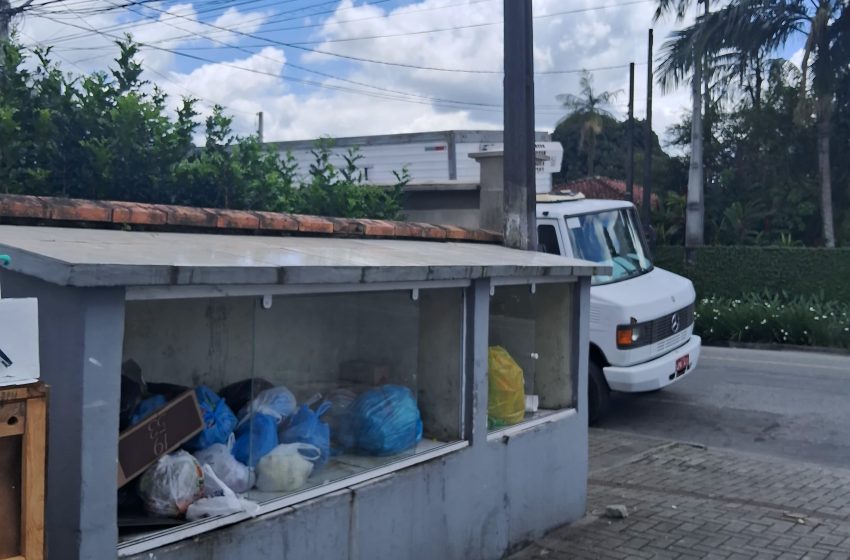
(506, 389)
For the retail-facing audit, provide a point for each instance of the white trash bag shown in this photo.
(286, 467)
(219, 500)
(238, 477)
(172, 484)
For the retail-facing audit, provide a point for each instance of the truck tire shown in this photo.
(598, 393)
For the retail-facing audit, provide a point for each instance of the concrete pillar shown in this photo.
(492, 193)
(81, 334)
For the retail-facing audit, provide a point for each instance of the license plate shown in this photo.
(682, 364)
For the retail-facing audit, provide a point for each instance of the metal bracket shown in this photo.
(266, 302)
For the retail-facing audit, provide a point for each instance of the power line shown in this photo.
(402, 64)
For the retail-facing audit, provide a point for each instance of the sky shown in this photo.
(360, 67)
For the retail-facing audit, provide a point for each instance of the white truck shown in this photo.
(641, 317)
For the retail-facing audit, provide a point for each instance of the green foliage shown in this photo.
(730, 272)
(668, 173)
(109, 136)
(770, 317)
(762, 183)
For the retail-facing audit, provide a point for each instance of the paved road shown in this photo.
(786, 404)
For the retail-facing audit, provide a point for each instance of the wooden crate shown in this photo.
(23, 439)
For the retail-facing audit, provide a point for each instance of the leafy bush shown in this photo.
(774, 318)
(109, 137)
(731, 272)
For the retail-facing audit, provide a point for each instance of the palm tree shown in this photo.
(589, 107)
(745, 30)
(695, 209)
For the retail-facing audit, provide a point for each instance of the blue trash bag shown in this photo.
(146, 407)
(255, 437)
(278, 402)
(307, 427)
(219, 420)
(383, 421)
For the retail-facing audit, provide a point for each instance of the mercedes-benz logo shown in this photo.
(674, 323)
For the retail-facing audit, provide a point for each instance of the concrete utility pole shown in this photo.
(520, 229)
(630, 142)
(260, 126)
(6, 14)
(646, 213)
(5, 20)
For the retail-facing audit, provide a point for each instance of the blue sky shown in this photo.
(249, 68)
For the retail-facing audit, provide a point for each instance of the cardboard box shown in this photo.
(160, 433)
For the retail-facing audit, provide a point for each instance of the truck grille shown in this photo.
(663, 327)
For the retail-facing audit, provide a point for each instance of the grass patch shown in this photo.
(774, 318)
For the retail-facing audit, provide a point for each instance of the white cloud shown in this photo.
(596, 38)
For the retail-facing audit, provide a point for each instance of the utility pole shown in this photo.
(6, 14)
(5, 20)
(646, 214)
(520, 200)
(630, 142)
(260, 126)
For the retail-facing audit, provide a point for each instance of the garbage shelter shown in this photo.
(351, 374)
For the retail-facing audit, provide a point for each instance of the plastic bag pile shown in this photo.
(272, 445)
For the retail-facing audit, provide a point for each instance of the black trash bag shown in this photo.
(133, 391)
(168, 390)
(238, 394)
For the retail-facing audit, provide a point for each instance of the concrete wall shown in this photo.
(476, 503)
(80, 334)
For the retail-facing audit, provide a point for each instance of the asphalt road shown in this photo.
(784, 404)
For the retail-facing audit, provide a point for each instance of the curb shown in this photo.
(773, 346)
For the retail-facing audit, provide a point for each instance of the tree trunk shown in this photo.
(824, 115)
(695, 213)
(591, 153)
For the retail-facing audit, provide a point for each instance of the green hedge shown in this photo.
(733, 271)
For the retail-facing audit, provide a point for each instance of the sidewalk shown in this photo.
(688, 502)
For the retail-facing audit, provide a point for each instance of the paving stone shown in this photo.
(728, 505)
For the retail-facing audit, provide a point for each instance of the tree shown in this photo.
(589, 108)
(745, 30)
(695, 208)
(110, 136)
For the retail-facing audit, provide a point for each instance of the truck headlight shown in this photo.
(633, 335)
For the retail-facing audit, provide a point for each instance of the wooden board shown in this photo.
(162, 432)
(10, 496)
(23, 454)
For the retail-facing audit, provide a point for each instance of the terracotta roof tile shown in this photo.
(160, 216)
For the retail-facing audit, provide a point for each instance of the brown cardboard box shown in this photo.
(162, 432)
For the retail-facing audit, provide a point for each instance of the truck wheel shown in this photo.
(598, 393)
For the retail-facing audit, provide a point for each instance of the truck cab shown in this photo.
(641, 316)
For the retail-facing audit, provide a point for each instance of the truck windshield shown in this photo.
(612, 238)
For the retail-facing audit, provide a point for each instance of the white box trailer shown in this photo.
(428, 156)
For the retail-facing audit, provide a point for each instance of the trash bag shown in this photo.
(287, 467)
(383, 421)
(341, 400)
(277, 402)
(506, 389)
(237, 476)
(132, 391)
(240, 393)
(219, 420)
(168, 390)
(307, 427)
(146, 408)
(221, 502)
(255, 438)
(171, 485)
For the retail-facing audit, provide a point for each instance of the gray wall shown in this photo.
(80, 332)
(473, 504)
